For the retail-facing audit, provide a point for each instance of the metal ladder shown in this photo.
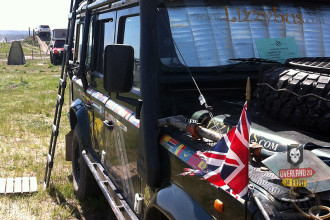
(61, 92)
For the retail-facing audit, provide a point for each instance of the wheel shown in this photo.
(55, 61)
(84, 184)
(52, 59)
(297, 96)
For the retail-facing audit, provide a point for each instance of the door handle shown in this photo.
(108, 124)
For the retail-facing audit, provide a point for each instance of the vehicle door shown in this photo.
(120, 111)
(102, 30)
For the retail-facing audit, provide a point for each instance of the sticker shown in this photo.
(278, 49)
(296, 173)
(183, 152)
(123, 112)
(295, 154)
(295, 182)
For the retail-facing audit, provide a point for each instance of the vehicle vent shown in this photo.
(319, 64)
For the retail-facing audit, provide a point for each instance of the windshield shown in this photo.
(59, 44)
(210, 35)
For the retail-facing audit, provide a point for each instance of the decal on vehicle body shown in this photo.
(125, 113)
(98, 95)
(268, 144)
(184, 153)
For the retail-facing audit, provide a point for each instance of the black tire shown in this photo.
(296, 96)
(51, 59)
(84, 184)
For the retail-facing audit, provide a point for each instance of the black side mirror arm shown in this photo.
(135, 102)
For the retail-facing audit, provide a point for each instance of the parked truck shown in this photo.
(143, 73)
(57, 45)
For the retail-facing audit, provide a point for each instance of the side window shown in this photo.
(106, 30)
(132, 37)
(76, 40)
(81, 31)
(89, 47)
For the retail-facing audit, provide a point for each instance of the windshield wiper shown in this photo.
(254, 60)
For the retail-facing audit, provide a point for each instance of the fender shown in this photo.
(173, 202)
(79, 114)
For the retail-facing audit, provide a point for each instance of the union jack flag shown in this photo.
(227, 161)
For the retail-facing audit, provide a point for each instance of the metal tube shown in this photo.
(110, 200)
(180, 123)
(82, 68)
(150, 71)
(262, 209)
(100, 3)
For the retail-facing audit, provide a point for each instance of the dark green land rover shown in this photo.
(152, 82)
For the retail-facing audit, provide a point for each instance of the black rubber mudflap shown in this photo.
(68, 146)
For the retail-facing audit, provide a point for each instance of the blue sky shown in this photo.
(22, 14)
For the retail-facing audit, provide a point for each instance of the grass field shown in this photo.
(27, 105)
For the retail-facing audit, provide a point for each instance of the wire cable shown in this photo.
(192, 77)
(286, 90)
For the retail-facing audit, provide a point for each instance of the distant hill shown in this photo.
(12, 35)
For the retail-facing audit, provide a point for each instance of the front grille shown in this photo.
(318, 64)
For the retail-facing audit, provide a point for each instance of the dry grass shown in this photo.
(27, 105)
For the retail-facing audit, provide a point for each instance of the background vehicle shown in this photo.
(59, 34)
(43, 30)
(56, 51)
(57, 45)
(135, 63)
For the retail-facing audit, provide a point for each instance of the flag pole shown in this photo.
(248, 99)
(248, 91)
(258, 203)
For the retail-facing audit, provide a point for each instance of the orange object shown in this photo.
(218, 205)
(193, 130)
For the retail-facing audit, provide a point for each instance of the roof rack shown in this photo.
(102, 3)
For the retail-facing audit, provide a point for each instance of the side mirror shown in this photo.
(118, 68)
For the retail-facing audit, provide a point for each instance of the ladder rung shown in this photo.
(49, 161)
(59, 99)
(49, 158)
(62, 83)
(54, 129)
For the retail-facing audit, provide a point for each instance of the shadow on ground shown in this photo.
(95, 207)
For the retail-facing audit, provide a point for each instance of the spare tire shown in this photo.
(298, 93)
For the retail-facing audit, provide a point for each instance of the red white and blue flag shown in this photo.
(227, 161)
